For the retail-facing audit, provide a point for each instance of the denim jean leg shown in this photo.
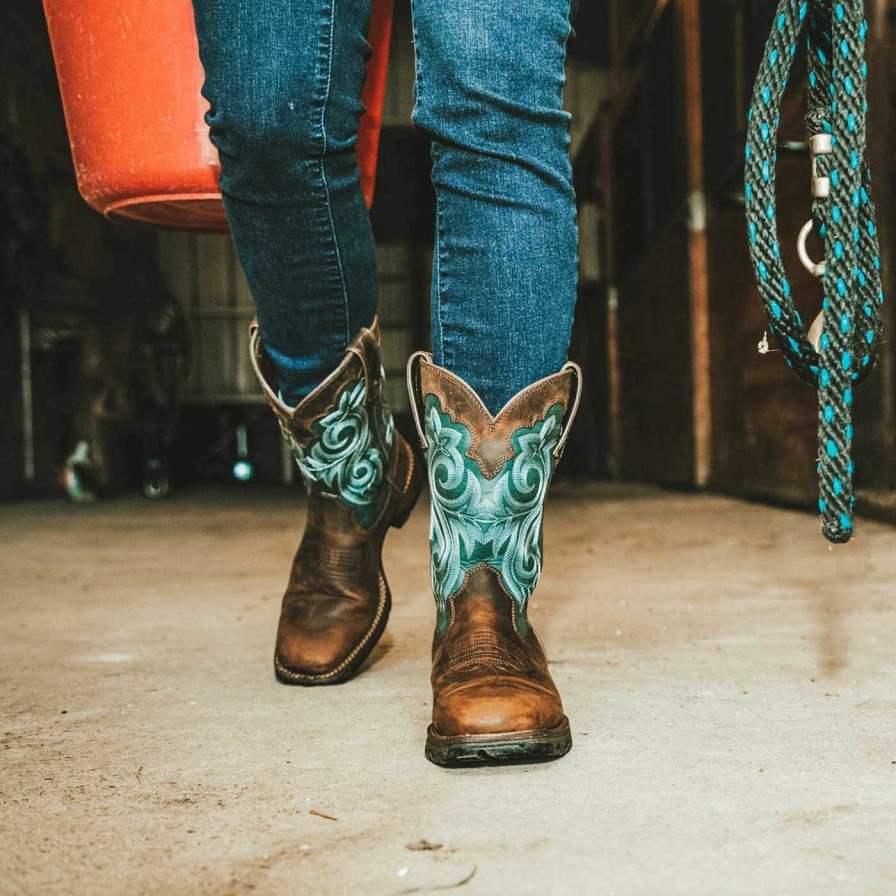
(490, 77)
(284, 80)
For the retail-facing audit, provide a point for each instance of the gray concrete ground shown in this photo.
(731, 683)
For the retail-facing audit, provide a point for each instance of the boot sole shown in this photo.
(399, 518)
(499, 749)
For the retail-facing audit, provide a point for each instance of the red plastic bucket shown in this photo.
(130, 79)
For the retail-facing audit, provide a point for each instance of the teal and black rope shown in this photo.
(853, 299)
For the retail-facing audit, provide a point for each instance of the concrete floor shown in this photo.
(731, 683)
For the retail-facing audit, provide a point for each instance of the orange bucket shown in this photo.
(130, 79)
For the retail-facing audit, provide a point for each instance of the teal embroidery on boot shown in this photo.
(351, 454)
(494, 521)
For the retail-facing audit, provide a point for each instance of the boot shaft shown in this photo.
(342, 435)
(489, 477)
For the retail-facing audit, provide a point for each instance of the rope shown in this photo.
(842, 215)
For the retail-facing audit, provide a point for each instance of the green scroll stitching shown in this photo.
(496, 521)
(350, 456)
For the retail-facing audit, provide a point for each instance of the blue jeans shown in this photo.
(284, 80)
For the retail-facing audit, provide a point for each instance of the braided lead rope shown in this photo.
(843, 214)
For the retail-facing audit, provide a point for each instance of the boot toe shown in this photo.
(312, 657)
(325, 640)
(496, 707)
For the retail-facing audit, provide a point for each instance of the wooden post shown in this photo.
(688, 13)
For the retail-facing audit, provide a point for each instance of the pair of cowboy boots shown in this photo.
(493, 697)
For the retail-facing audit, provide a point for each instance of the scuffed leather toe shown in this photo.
(320, 637)
(496, 706)
(318, 634)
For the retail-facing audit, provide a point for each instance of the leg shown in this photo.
(284, 80)
(490, 75)
(489, 92)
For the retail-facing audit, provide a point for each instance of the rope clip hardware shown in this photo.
(816, 269)
(820, 145)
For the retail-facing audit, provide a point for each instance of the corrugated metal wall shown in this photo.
(205, 276)
(203, 273)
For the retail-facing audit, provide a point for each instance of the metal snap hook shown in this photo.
(816, 269)
(816, 331)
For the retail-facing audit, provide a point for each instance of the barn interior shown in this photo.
(729, 675)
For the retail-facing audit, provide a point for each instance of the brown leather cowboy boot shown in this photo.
(362, 477)
(493, 697)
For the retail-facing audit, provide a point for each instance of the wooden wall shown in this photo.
(672, 147)
(67, 276)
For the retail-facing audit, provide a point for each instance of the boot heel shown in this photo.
(414, 488)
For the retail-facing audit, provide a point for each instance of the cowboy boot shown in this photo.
(493, 697)
(362, 477)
